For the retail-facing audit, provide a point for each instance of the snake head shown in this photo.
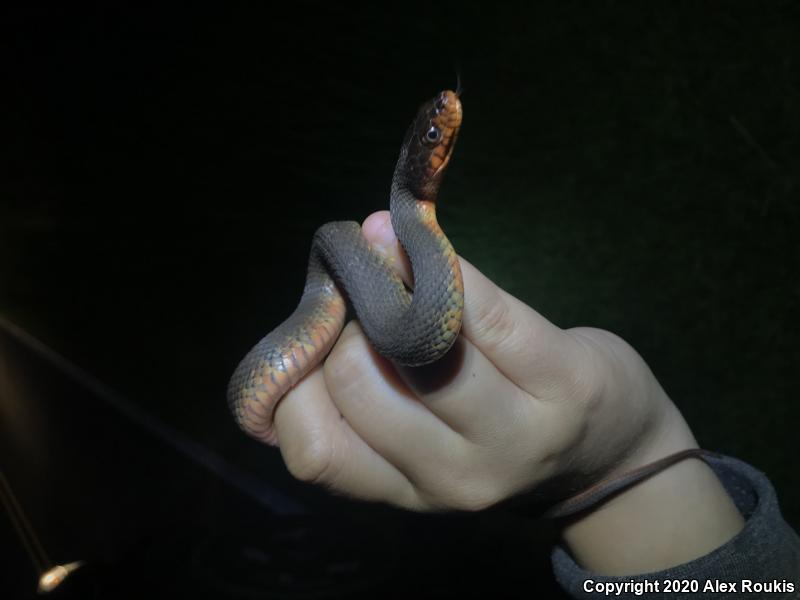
(428, 145)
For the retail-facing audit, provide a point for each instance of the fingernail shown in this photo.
(385, 237)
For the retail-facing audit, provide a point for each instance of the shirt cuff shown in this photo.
(762, 560)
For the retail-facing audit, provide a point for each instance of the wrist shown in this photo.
(628, 417)
(671, 518)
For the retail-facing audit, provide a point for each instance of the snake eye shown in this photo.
(433, 135)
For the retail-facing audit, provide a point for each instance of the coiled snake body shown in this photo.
(408, 329)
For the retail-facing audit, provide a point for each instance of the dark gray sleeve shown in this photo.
(766, 553)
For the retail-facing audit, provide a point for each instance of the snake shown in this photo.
(345, 271)
(410, 329)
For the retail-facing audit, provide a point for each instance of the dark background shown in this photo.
(627, 166)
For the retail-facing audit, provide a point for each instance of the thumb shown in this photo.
(521, 343)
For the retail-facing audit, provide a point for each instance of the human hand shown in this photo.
(516, 404)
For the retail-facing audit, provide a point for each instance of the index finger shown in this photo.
(521, 343)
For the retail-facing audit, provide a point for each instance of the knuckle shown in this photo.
(587, 383)
(493, 322)
(311, 462)
(462, 487)
(473, 496)
(410, 498)
(345, 360)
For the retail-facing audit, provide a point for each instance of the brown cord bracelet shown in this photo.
(605, 488)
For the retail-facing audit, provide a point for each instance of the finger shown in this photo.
(385, 413)
(319, 446)
(535, 354)
(525, 347)
(472, 396)
(377, 228)
(445, 467)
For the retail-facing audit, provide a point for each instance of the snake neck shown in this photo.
(414, 223)
(436, 276)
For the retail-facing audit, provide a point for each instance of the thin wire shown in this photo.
(23, 527)
(251, 486)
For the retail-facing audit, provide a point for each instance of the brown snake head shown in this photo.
(428, 146)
